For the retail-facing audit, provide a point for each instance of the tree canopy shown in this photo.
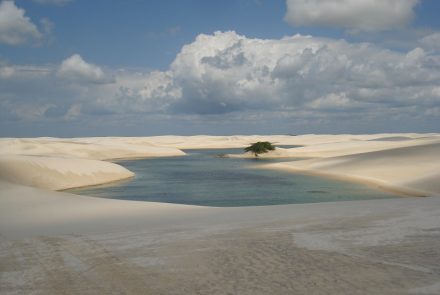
(260, 147)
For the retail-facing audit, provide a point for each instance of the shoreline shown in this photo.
(372, 183)
(90, 160)
(97, 184)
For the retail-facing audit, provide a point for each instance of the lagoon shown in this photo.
(203, 178)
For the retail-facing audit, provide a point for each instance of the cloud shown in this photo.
(74, 68)
(23, 72)
(431, 42)
(15, 27)
(353, 15)
(315, 84)
(135, 92)
(228, 72)
(45, 93)
(335, 102)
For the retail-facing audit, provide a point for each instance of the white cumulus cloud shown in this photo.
(75, 68)
(227, 72)
(354, 15)
(15, 27)
(318, 83)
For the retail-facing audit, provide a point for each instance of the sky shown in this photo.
(137, 68)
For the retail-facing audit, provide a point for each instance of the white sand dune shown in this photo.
(341, 148)
(237, 141)
(395, 160)
(414, 169)
(28, 211)
(57, 173)
(99, 148)
(56, 164)
(316, 146)
(335, 149)
(60, 243)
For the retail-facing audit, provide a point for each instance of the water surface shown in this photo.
(202, 178)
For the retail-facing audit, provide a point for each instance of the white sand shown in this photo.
(99, 148)
(342, 148)
(55, 242)
(57, 173)
(414, 169)
(277, 153)
(407, 162)
(55, 163)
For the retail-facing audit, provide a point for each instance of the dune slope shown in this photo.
(58, 163)
(57, 173)
(413, 169)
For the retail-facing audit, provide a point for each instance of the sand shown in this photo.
(412, 169)
(53, 242)
(55, 163)
(57, 173)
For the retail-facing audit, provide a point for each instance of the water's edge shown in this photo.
(202, 178)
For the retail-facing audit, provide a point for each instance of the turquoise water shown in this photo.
(201, 178)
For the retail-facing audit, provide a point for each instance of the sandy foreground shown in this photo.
(53, 242)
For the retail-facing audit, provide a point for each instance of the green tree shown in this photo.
(260, 147)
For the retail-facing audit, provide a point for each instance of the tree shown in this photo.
(260, 147)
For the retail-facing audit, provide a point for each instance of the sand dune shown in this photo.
(206, 141)
(412, 169)
(105, 148)
(59, 243)
(57, 173)
(341, 148)
(31, 211)
(56, 163)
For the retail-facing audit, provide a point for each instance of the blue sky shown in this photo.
(132, 67)
(144, 33)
